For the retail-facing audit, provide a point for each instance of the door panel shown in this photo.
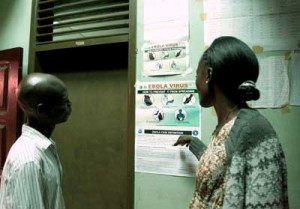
(10, 118)
(93, 143)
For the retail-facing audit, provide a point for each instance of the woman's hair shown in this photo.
(235, 68)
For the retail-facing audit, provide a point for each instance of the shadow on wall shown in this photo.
(104, 57)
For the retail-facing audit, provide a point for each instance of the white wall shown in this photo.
(15, 26)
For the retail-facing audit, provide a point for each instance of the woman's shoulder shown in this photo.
(250, 128)
(252, 122)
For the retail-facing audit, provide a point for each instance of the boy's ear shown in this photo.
(41, 108)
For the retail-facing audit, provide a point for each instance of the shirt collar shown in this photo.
(38, 138)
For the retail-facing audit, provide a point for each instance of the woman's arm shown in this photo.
(196, 146)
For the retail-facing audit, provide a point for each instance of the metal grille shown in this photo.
(67, 20)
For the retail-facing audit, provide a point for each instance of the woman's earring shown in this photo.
(206, 82)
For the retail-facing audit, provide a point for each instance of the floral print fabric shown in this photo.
(210, 175)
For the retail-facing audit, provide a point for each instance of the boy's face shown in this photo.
(56, 108)
(60, 110)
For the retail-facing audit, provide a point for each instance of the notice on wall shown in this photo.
(166, 33)
(295, 79)
(158, 11)
(165, 59)
(273, 82)
(164, 111)
(267, 25)
(175, 30)
(167, 102)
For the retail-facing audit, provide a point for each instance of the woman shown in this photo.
(244, 164)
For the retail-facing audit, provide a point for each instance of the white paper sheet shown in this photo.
(273, 83)
(268, 24)
(157, 11)
(295, 79)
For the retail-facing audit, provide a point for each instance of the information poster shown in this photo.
(165, 59)
(167, 102)
(164, 111)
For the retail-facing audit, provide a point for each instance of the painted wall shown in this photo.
(15, 26)
(158, 191)
(170, 192)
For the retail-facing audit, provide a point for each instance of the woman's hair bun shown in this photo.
(247, 91)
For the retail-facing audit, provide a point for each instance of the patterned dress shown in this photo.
(210, 175)
(242, 168)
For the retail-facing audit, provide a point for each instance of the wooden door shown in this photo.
(10, 120)
(92, 144)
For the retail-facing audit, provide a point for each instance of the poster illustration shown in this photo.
(164, 111)
(165, 59)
